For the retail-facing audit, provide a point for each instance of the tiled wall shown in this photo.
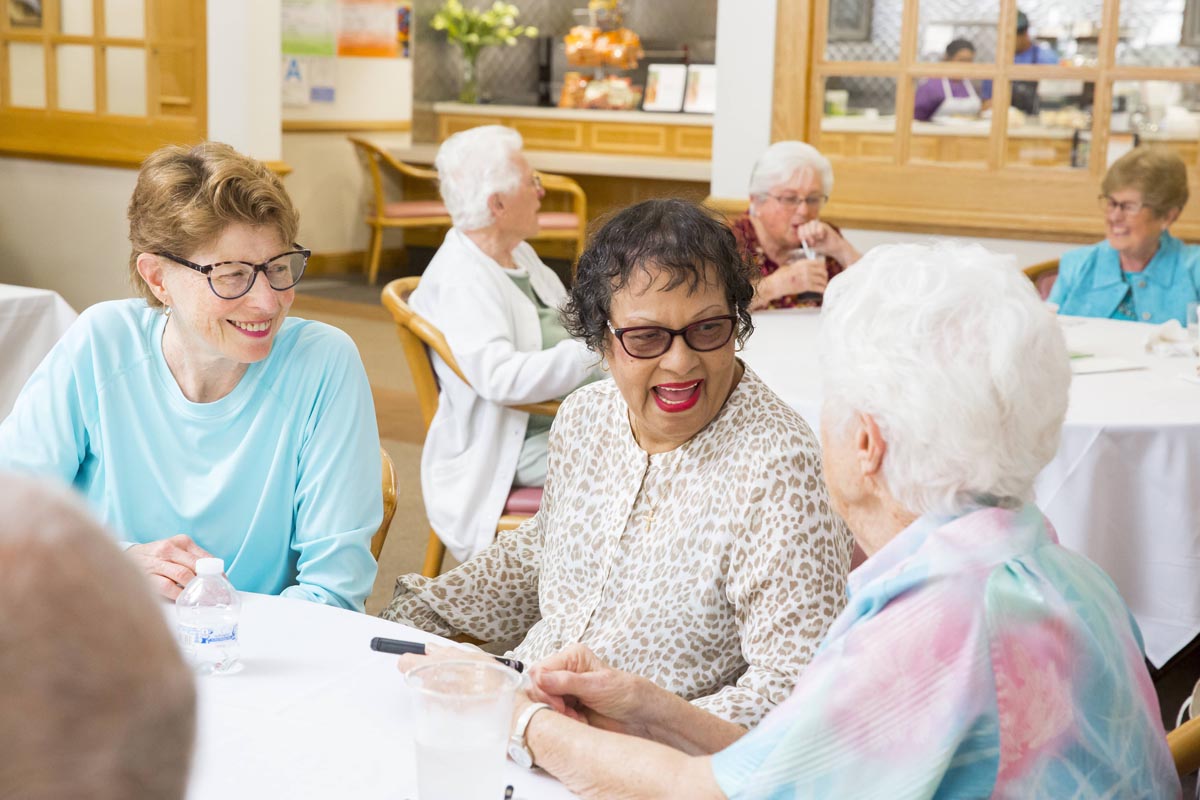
(509, 74)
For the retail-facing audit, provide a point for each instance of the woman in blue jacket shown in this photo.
(1140, 271)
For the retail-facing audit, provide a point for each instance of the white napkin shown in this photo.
(1170, 339)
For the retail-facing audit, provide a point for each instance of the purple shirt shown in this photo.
(930, 95)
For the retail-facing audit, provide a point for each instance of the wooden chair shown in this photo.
(417, 337)
(397, 214)
(1184, 742)
(1043, 276)
(564, 225)
(389, 503)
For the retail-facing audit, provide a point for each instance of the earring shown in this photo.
(166, 311)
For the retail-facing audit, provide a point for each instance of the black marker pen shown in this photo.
(400, 648)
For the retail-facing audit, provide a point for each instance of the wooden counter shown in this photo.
(627, 133)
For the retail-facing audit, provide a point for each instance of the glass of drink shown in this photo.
(1193, 324)
(463, 711)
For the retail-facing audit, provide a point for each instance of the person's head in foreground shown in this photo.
(97, 702)
(976, 657)
(663, 295)
(1142, 195)
(204, 222)
(488, 185)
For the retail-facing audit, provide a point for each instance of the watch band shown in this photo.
(517, 742)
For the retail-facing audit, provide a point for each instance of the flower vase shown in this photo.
(468, 91)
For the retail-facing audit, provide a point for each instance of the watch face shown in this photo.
(520, 756)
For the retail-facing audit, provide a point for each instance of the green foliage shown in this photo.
(472, 29)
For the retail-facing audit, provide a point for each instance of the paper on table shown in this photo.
(1088, 366)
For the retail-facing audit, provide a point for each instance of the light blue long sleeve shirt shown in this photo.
(280, 478)
(1090, 283)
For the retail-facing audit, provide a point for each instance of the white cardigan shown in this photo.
(473, 444)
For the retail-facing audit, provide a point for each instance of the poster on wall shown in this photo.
(701, 94)
(404, 29)
(309, 27)
(664, 87)
(368, 28)
(308, 80)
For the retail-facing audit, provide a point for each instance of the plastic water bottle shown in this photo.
(207, 611)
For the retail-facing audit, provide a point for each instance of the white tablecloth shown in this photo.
(314, 713)
(31, 321)
(1122, 489)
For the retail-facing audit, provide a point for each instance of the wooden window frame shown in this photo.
(100, 137)
(994, 198)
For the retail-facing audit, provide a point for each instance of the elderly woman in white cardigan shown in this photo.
(497, 305)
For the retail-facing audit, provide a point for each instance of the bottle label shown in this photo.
(197, 634)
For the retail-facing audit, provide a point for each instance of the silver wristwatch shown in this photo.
(518, 748)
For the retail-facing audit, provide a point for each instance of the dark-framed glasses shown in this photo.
(230, 280)
(1129, 207)
(813, 201)
(651, 341)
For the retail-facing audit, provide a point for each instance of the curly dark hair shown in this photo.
(678, 237)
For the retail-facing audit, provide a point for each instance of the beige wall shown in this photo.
(330, 188)
(62, 227)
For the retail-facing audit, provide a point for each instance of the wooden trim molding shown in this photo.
(345, 126)
(280, 168)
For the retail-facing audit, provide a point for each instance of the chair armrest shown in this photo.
(547, 409)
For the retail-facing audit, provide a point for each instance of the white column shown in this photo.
(244, 76)
(745, 81)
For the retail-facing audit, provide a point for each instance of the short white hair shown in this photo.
(472, 166)
(782, 160)
(963, 367)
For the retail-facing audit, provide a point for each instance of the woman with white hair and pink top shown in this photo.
(497, 304)
(782, 234)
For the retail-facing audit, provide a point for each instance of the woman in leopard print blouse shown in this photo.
(685, 533)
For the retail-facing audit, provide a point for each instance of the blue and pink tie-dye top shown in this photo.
(976, 658)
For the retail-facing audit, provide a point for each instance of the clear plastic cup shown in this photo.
(462, 716)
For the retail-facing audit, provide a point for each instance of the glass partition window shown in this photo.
(863, 30)
(1160, 112)
(1159, 33)
(110, 78)
(860, 118)
(1058, 32)
(959, 22)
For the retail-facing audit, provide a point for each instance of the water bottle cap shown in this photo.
(210, 566)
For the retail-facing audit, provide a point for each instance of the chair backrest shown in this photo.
(1043, 276)
(417, 337)
(389, 503)
(1184, 742)
(379, 160)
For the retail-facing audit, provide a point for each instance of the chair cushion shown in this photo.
(523, 500)
(558, 221)
(415, 208)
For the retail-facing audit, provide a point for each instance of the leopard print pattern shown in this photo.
(713, 569)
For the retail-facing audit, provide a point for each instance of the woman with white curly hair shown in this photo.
(497, 305)
(976, 657)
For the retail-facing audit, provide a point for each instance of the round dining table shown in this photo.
(315, 713)
(1123, 486)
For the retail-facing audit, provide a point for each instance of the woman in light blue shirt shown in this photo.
(198, 419)
(1140, 272)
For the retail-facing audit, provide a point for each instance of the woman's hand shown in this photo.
(577, 683)
(824, 238)
(801, 275)
(169, 563)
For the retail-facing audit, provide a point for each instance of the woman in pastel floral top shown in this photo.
(976, 656)
(790, 184)
(684, 532)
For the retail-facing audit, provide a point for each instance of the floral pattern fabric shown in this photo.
(975, 658)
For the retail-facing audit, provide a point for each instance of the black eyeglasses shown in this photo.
(230, 280)
(651, 341)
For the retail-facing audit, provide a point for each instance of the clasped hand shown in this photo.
(169, 563)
